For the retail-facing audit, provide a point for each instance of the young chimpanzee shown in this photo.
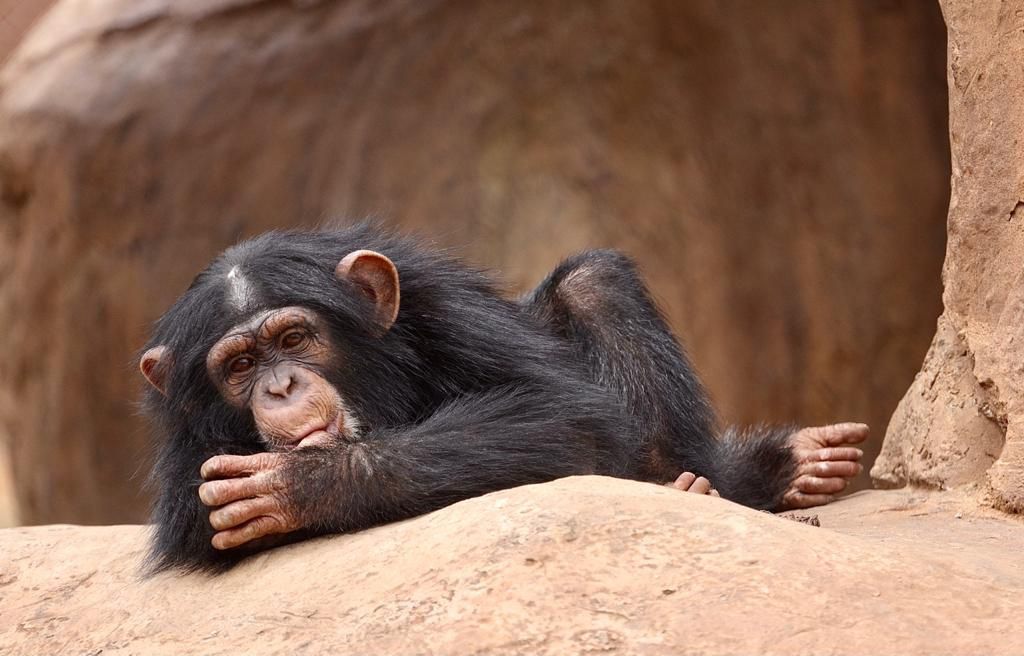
(329, 381)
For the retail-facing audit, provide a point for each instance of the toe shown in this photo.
(701, 486)
(835, 453)
(684, 481)
(832, 468)
(796, 500)
(819, 485)
(848, 433)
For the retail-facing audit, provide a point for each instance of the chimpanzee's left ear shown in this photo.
(377, 277)
(156, 366)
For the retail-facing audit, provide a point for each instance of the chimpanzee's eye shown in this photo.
(293, 339)
(241, 365)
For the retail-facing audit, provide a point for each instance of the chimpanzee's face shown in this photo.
(271, 365)
(273, 362)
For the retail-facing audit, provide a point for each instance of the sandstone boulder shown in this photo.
(581, 565)
(963, 418)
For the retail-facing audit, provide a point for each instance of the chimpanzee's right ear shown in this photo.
(155, 366)
(376, 276)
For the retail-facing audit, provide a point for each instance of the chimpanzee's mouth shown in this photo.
(321, 435)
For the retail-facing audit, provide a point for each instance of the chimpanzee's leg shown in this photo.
(598, 302)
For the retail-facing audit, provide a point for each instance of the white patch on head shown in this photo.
(239, 290)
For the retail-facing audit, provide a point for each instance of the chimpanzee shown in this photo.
(322, 382)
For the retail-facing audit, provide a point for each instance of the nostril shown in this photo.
(280, 386)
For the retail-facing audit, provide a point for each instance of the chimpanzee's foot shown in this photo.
(689, 482)
(824, 463)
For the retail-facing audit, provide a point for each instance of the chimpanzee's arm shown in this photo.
(479, 444)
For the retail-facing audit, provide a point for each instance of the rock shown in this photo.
(8, 509)
(941, 435)
(963, 417)
(580, 565)
(767, 167)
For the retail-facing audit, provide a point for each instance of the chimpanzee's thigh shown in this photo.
(598, 302)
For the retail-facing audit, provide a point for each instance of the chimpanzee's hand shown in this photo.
(250, 493)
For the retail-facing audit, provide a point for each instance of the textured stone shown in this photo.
(577, 566)
(969, 398)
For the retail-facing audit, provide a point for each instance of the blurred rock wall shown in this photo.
(779, 169)
(16, 16)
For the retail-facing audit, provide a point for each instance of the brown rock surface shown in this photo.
(580, 565)
(8, 507)
(15, 18)
(769, 167)
(969, 397)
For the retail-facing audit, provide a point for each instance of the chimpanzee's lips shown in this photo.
(320, 435)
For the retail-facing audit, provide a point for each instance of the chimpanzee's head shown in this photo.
(281, 335)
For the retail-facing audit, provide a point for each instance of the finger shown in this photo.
(701, 486)
(240, 512)
(256, 528)
(830, 468)
(684, 481)
(800, 500)
(847, 433)
(218, 493)
(715, 493)
(836, 453)
(817, 485)
(226, 466)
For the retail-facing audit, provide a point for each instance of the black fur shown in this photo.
(467, 393)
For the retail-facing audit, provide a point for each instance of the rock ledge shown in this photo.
(579, 565)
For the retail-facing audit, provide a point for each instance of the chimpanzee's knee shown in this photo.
(597, 284)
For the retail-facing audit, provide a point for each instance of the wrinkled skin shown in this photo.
(249, 494)
(826, 462)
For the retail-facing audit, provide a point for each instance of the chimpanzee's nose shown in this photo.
(280, 384)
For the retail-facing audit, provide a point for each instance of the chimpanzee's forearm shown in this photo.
(479, 444)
